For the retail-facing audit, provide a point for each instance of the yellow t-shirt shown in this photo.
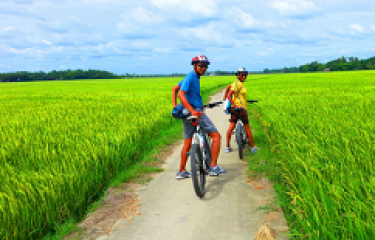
(239, 93)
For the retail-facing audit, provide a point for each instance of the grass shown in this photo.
(63, 144)
(136, 171)
(318, 147)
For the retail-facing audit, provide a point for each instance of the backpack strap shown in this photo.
(238, 92)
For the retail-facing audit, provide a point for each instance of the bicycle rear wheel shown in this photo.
(197, 172)
(239, 138)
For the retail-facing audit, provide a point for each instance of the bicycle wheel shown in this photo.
(197, 172)
(207, 150)
(239, 138)
(244, 137)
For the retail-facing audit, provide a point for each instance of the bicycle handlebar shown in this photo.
(249, 101)
(212, 105)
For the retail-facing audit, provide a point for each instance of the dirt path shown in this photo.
(171, 210)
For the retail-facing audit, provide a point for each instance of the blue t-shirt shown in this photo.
(191, 85)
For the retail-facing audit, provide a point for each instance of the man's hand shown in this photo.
(197, 114)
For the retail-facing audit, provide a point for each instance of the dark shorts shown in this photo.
(235, 115)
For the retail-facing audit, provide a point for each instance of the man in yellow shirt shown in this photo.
(237, 96)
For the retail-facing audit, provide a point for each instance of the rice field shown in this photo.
(321, 128)
(61, 142)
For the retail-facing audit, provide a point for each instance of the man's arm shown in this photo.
(230, 98)
(226, 91)
(185, 102)
(175, 90)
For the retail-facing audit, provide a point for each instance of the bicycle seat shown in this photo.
(191, 118)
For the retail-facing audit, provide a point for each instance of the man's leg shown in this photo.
(245, 119)
(229, 133)
(249, 135)
(185, 149)
(208, 127)
(215, 147)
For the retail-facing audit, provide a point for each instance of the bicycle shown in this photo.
(200, 154)
(241, 136)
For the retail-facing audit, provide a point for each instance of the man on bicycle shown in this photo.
(237, 97)
(189, 94)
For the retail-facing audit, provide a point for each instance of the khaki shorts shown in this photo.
(235, 115)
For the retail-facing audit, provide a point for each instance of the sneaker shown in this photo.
(221, 171)
(216, 171)
(228, 149)
(182, 175)
(255, 149)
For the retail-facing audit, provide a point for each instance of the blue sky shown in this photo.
(161, 36)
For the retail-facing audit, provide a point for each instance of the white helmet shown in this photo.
(241, 70)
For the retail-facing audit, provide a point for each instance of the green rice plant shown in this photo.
(322, 132)
(61, 143)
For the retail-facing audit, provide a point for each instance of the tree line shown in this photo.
(340, 64)
(24, 76)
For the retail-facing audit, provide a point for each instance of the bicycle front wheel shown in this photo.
(207, 149)
(197, 172)
(239, 138)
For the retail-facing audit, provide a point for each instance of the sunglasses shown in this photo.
(243, 75)
(202, 66)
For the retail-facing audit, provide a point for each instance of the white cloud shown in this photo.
(133, 30)
(271, 31)
(140, 44)
(356, 28)
(8, 28)
(138, 23)
(165, 4)
(267, 52)
(205, 33)
(46, 42)
(162, 50)
(245, 20)
(205, 8)
(124, 27)
(143, 16)
(294, 7)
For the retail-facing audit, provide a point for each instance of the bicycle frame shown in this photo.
(200, 155)
(200, 139)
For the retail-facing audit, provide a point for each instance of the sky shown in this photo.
(162, 36)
